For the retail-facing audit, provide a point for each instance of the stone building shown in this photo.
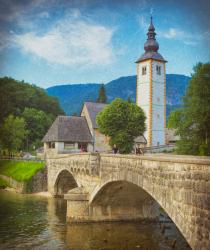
(90, 111)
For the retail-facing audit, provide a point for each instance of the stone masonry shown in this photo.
(180, 184)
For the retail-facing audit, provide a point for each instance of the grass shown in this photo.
(3, 183)
(20, 170)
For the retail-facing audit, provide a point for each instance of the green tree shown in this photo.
(37, 124)
(102, 95)
(122, 122)
(16, 95)
(13, 132)
(192, 121)
(129, 99)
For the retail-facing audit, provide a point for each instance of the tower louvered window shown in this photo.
(158, 70)
(144, 70)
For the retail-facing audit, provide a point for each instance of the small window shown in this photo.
(144, 70)
(158, 116)
(51, 145)
(69, 145)
(158, 70)
(158, 99)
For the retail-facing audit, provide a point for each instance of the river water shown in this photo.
(33, 222)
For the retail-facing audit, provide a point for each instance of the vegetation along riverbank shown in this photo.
(24, 176)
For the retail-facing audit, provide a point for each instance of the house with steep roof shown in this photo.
(71, 134)
(68, 134)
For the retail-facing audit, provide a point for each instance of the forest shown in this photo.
(26, 113)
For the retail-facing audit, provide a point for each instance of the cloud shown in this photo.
(173, 33)
(186, 37)
(178, 34)
(72, 41)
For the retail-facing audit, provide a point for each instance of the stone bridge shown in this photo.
(107, 187)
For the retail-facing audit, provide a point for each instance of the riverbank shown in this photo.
(20, 170)
(23, 176)
(13, 190)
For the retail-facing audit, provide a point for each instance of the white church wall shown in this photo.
(158, 138)
(156, 77)
(158, 102)
(143, 78)
(158, 94)
(143, 92)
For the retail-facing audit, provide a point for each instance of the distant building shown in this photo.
(171, 137)
(151, 89)
(140, 142)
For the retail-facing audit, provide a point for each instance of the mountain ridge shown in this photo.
(72, 96)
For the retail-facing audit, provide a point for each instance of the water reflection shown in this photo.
(31, 222)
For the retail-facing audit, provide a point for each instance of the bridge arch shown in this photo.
(64, 182)
(134, 178)
(123, 200)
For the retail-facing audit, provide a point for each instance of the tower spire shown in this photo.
(151, 46)
(151, 43)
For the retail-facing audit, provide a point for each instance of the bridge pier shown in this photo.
(77, 205)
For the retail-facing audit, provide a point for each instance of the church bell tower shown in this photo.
(151, 89)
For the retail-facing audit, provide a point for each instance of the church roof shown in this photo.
(151, 46)
(68, 129)
(151, 55)
(93, 109)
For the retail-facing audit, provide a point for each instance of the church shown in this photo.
(151, 89)
(75, 134)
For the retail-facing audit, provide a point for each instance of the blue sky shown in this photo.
(51, 42)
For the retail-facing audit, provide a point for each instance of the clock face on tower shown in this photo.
(151, 89)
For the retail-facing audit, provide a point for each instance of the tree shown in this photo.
(192, 121)
(122, 122)
(129, 99)
(37, 124)
(13, 132)
(102, 95)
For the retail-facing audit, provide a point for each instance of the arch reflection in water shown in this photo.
(30, 222)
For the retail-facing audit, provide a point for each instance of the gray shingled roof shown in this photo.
(93, 109)
(140, 139)
(68, 129)
(151, 55)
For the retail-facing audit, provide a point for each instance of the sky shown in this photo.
(53, 42)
